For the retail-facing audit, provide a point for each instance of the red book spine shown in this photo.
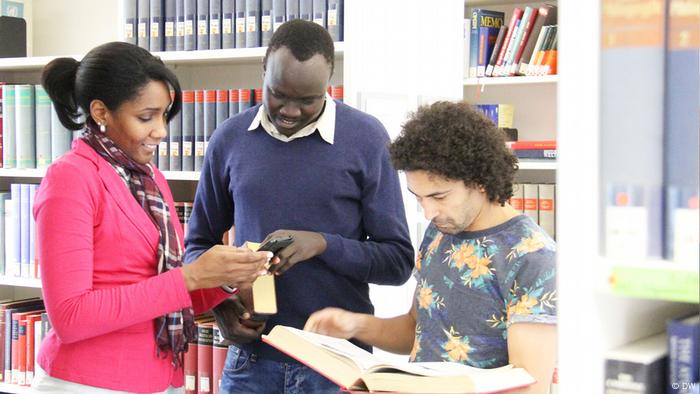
(528, 29)
(204, 358)
(190, 368)
(21, 351)
(548, 144)
(233, 95)
(517, 14)
(218, 359)
(337, 92)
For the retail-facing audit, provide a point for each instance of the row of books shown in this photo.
(664, 363)
(205, 358)
(527, 46)
(187, 25)
(649, 140)
(23, 325)
(30, 132)
(18, 247)
(500, 114)
(538, 201)
(202, 112)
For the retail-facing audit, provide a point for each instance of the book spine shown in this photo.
(24, 229)
(191, 36)
(61, 137)
(130, 20)
(220, 351)
(252, 29)
(38, 337)
(1, 121)
(164, 155)
(42, 117)
(335, 19)
(279, 14)
(530, 201)
(170, 25)
(496, 50)
(189, 367)
(179, 25)
(244, 99)
(4, 199)
(33, 256)
(21, 352)
(205, 342)
(222, 106)
(202, 25)
(512, 27)
(175, 142)
(292, 8)
(241, 23)
(142, 39)
(233, 101)
(188, 130)
(546, 208)
(156, 25)
(29, 353)
(306, 10)
(209, 115)
(683, 354)
(266, 22)
(214, 24)
(319, 10)
(525, 67)
(198, 129)
(228, 31)
(529, 25)
(24, 118)
(536, 153)
(11, 232)
(9, 128)
(518, 199)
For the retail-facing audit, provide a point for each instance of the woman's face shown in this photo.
(138, 125)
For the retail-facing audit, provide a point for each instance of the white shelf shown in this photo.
(524, 80)
(13, 388)
(20, 282)
(531, 164)
(481, 3)
(39, 173)
(232, 56)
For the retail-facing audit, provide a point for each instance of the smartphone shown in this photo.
(275, 245)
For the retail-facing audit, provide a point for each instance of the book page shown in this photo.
(362, 358)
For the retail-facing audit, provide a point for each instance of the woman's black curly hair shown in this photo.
(456, 141)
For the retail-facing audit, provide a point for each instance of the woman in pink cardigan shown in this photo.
(120, 301)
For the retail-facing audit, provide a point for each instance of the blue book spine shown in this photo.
(319, 10)
(536, 153)
(266, 22)
(228, 23)
(480, 17)
(198, 129)
(240, 23)
(142, 38)
(188, 130)
(222, 106)
(279, 14)
(130, 21)
(175, 142)
(335, 19)
(190, 40)
(683, 354)
(180, 25)
(202, 25)
(156, 25)
(24, 230)
(170, 25)
(215, 24)
(33, 267)
(306, 10)
(292, 8)
(252, 25)
(245, 97)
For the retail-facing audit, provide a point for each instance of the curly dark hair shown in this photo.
(456, 141)
(304, 39)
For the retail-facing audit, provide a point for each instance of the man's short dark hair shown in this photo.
(304, 39)
(457, 142)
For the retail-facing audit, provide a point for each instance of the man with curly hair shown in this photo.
(486, 293)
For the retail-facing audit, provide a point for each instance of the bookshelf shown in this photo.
(597, 314)
(524, 80)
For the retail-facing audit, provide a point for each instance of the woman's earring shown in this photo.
(103, 128)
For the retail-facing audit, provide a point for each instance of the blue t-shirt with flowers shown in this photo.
(473, 285)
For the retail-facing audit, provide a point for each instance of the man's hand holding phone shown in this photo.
(303, 246)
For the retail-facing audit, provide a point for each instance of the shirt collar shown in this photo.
(325, 124)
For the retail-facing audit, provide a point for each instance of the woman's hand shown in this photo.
(225, 265)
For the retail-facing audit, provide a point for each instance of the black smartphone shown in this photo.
(275, 245)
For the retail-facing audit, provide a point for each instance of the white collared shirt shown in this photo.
(325, 124)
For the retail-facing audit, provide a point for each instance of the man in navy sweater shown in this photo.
(304, 165)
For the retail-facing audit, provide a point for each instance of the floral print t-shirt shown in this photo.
(473, 285)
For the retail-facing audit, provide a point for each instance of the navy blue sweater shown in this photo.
(348, 191)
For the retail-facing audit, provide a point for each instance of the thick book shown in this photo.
(179, 25)
(209, 117)
(205, 343)
(163, 155)
(517, 201)
(175, 142)
(228, 22)
(143, 13)
(156, 25)
(130, 21)
(530, 198)
(306, 10)
(682, 133)
(233, 101)
(188, 130)
(335, 19)
(353, 368)
(546, 208)
(189, 366)
(266, 22)
(244, 99)
(24, 126)
(61, 137)
(683, 354)
(190, 39)
(639, 367)
(199, 132)
(219, 353)
(279, 14)
(170, 25)
(42, 123)
(292, 8)
(202, 25)
(252, 23)
(240, 21)
(319, 9)
(215, 24)
(222, 106)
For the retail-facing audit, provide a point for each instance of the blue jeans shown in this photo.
(246, 374)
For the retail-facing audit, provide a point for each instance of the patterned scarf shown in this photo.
(176, 329)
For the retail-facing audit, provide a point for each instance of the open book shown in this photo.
(355, 369)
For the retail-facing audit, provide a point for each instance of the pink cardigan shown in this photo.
(97, 252)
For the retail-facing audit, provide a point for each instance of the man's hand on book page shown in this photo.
(306, 245)
(233, 318)
(225, 265)
(334, 322)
